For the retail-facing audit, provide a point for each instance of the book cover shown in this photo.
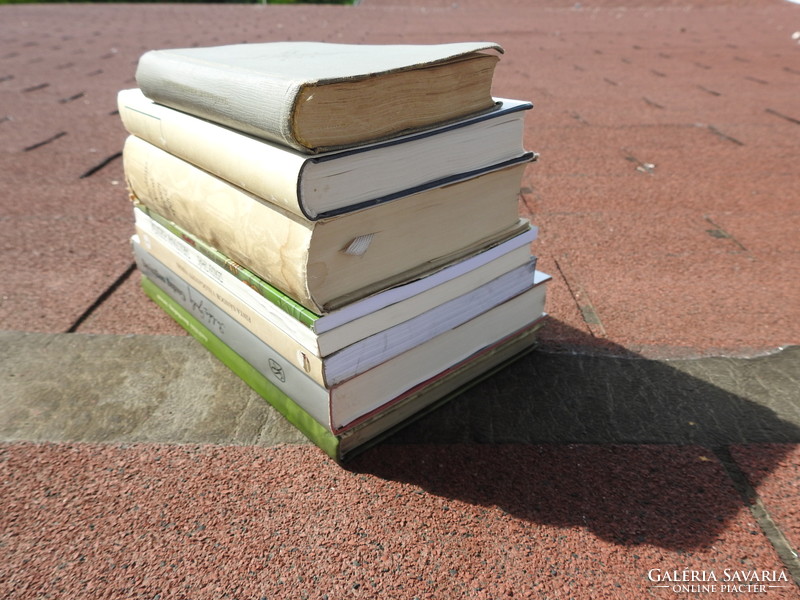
(314, 95)
(331, 262)
(323, 185)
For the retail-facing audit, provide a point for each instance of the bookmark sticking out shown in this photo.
(359, 245)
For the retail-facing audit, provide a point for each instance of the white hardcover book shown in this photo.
(322, 185)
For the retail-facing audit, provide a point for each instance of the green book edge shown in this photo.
(271, 293)
(307, 425)
(298, 417)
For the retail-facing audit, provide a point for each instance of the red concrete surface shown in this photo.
(774, 470)
(694, 254)
(152, 521)
(666, 200)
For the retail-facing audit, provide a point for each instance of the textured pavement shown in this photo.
(656, 431)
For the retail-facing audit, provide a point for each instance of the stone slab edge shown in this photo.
(168, 389)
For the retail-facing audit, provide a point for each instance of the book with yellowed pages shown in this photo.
(343, 405)
(315, 96)
(326, 184)
(328, 263)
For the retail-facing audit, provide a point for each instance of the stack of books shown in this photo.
(336, 223)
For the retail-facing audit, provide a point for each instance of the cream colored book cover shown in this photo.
(325, 184)
(331, 262)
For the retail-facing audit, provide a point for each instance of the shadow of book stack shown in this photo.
(337, 223)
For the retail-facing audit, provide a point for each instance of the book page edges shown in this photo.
(424, 282)
(399, 415)
(333, 115)
(423, 270)
(406, 370)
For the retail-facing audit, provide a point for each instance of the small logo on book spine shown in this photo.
(277, 370)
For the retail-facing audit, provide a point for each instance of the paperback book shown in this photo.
(344, 404)
(343, 446)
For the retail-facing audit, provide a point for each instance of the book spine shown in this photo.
(162, 228)
(281, 372)
(272, 242)
(296, 415)
(254, 320)
(269, 171)
(183, 259)
(233, 97)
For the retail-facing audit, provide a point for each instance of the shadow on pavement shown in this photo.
(636, 450)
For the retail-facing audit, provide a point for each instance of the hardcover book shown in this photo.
(328, 263)
(342, 405)
(436, 301)
(315, 96)
(323, 185)
(374, 427)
